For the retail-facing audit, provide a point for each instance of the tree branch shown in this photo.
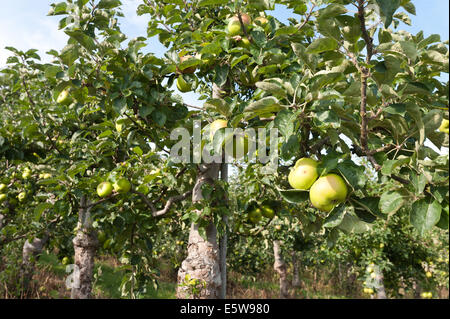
(161, 212)
(308, 16)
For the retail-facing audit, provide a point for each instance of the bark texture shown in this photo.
(202, 261)
(280, 267)
(381, 291)
(85, 245)
(296, 283)
(30, 252)
(223, 243)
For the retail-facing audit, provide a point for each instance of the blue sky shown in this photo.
(24, 24)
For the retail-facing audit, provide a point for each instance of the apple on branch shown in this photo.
(304, 174)
(327, 192)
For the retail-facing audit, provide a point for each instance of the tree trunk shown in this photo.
(30, 253)
(381, 291)
(85, 245)
(281, 269)
(202, 261)
(296, 276)
(417, 290)
(224, 241)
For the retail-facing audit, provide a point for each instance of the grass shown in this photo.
(49, 282)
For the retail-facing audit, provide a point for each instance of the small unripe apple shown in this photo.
(183, 85)
(122, 185)
(104, 189)
(3, 197)
(215, 126)
(2, 187)
(234, 25)
(22, 196)
(444, 126)
(65, 261)
(304, 174)
(64, 97)
(327, 192)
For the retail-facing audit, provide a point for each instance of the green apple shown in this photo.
(444, 126)
(2, 187)
(104, 189)
(64, 97)
(183, 85)
(46, 175)
(255, 215)
(234, 25)
(3, 197)
(65, 261)
(327, 192)
(26, 174)
(267, 211)
(122, 185)
(304, 174)
(119, 127)
(22, 196)
(244, 43)
(215, 126)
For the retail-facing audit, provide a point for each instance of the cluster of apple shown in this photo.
(121, 185)
(426, 295)
(234, 29)
(26, 174)
(256, 213)
(368, 290)
(325, 192)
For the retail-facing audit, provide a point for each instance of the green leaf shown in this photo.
(82, 38)
(390, 165)
(105, 134)
(39, 209)
(289, 148)
(309, 59)
(322, 45)
(418, 181)
(272, 87)
(69, 54)
(138, 151)
(108, 4)
(332, 10)
(236, 60)
(119, 105)
(205, 3)
(265, 105)
(388, 8)
(335, 217)
(284, 121)
(354, 174)
(396, 108)
(369, 204)
(159, 118)
(390, 202)
(218, 105)
(352, 224)
(294, 196)
(425, 214)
